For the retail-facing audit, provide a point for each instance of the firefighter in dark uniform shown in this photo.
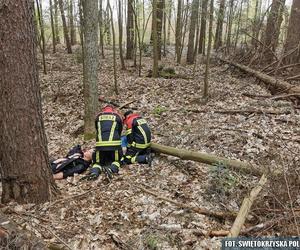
(108, 153)
(138, 137)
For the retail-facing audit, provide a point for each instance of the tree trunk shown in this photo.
(170, 5)
(120, 22)
(65, 28)
(164, 30)
(229, 27)
(159, 24)
(201, 49)
(194, 17)
(178, 31)
(107, 26)
(293, 37)
(255, 24)
(114, 48)
(41, 24)
(72, 26)
(273, 30)
(238, 25)
(52, 27)
(129, 31)
(101, 29)
(90, 66)
(219, 30)
(211, 18)
(56, 6)
(155, 39)
(24, 163)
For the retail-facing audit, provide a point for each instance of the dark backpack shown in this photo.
(73, 158)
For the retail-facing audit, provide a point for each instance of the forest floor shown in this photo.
(118, 214)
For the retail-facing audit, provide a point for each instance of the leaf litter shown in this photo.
(116, 214)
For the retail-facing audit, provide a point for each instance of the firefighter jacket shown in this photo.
(109, 128)
(138, 132)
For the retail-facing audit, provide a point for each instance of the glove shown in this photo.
(109, 171)
(93, 174)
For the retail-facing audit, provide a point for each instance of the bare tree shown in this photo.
(191, 41)
(65, 28)
(42, 30)
(114, 48)
(24, 163)
(101, 28)
(155, 39)
(90, 65)
(120, 22)
(178, 32)
(52, 27)
(219, 30)
(56, 6)
(293, 36)
(71, 20)
(273, 30)
(129, 31)
(202, 36)
(211, 14)
(229, 26)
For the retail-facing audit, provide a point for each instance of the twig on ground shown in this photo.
(219, 215)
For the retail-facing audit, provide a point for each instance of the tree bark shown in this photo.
(114, 48)
(194, 17)
(170, 5)
(255, 23)
(120, 22)
(273, 30)
(101, 29)
(201, 49)
(211, 16)
(155, 40)
(72, 26)
(219, 29)
(24, 163)
(229, 27)
(56, 6)
(65, 28)
(178, 31)
(52, 27)
(41, 25)
(293, 36)
(129, 31)
(90, 66)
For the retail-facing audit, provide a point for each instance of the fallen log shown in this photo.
(277, 84)
(245, 208)
(207, 158)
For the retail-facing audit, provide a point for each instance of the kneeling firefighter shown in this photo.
(108, 153)
(138, 137)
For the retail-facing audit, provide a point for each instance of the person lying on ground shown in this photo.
(75, 162)
(138, 136)
(108, 153)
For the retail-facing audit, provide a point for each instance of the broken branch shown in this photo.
(245, 208)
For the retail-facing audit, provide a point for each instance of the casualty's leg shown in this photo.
(96, 168)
